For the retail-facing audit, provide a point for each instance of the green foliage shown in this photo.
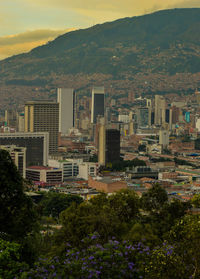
(164, 219)
(196, 201)
(93, 158)
(18, 216)
(154, 198)
(165, 263)
(183, 162)
(111, 260)
(122, 165)
(142, 148)
(143, 233)
(114, 259)
(107, 215)
(130, 45)
(125, 204)
(52, 203)
(186, 235)
(89, 227)
(10, 259)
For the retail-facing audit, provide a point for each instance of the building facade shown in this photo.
(66, 99)
(143, 117)
(70, 167)
(44, 174)
(109, 146)
(87, 169)
(160, 106)
(98, 103)
(36, 144)
(43, 116)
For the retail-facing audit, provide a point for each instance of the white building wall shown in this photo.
(87, 169)
(21, 123)
(123, 118)
(164, 138)
(65, 98)
(198, 124)
(70, 167)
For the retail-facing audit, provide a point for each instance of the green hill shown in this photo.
(165, 42)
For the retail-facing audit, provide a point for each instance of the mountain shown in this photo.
(164, 42)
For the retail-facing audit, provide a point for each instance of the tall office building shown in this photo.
(66, 100)
(98, 102)
(36, 144)
(160, 107)
(143, 117)
(11, 118)
(109, 145)
(43, 116)
(20, 122)
(164, 138)
(102, 145)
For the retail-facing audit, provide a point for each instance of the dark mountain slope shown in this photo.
(164, 42)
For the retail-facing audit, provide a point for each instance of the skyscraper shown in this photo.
(160, 107)
(143, 117)
(164, 138)
(43, 116)
(109, 145)
(66, 100)
(98, 100)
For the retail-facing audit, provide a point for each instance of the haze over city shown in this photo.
(25, 24)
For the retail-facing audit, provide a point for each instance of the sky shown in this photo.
(25, 24)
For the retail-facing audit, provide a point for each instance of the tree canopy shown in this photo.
(17, 214)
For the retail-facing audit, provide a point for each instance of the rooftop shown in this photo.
(41, 168)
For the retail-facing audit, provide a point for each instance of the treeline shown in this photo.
(123, 164)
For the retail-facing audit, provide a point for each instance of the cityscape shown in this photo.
(100, 151)
(78, 142)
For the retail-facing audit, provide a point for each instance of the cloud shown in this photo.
(109, 9)
(23, 42)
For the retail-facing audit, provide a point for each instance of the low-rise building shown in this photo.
(142, 171)
(70, 167)
(44, 174)
(106, 184)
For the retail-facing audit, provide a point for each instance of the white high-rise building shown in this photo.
(160, 107)
(66, 100)
(164, 138)
(98, 103)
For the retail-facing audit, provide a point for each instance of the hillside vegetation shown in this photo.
(165, 42)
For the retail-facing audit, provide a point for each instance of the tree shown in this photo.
(53, 203)
(17, 214)
(78, 221)
(143, 233)
(142, 148)
(108, 215)
(196, 200)
(10, 259)
(163, 220)
(125, 203)
(154, 198)
(186, 235)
